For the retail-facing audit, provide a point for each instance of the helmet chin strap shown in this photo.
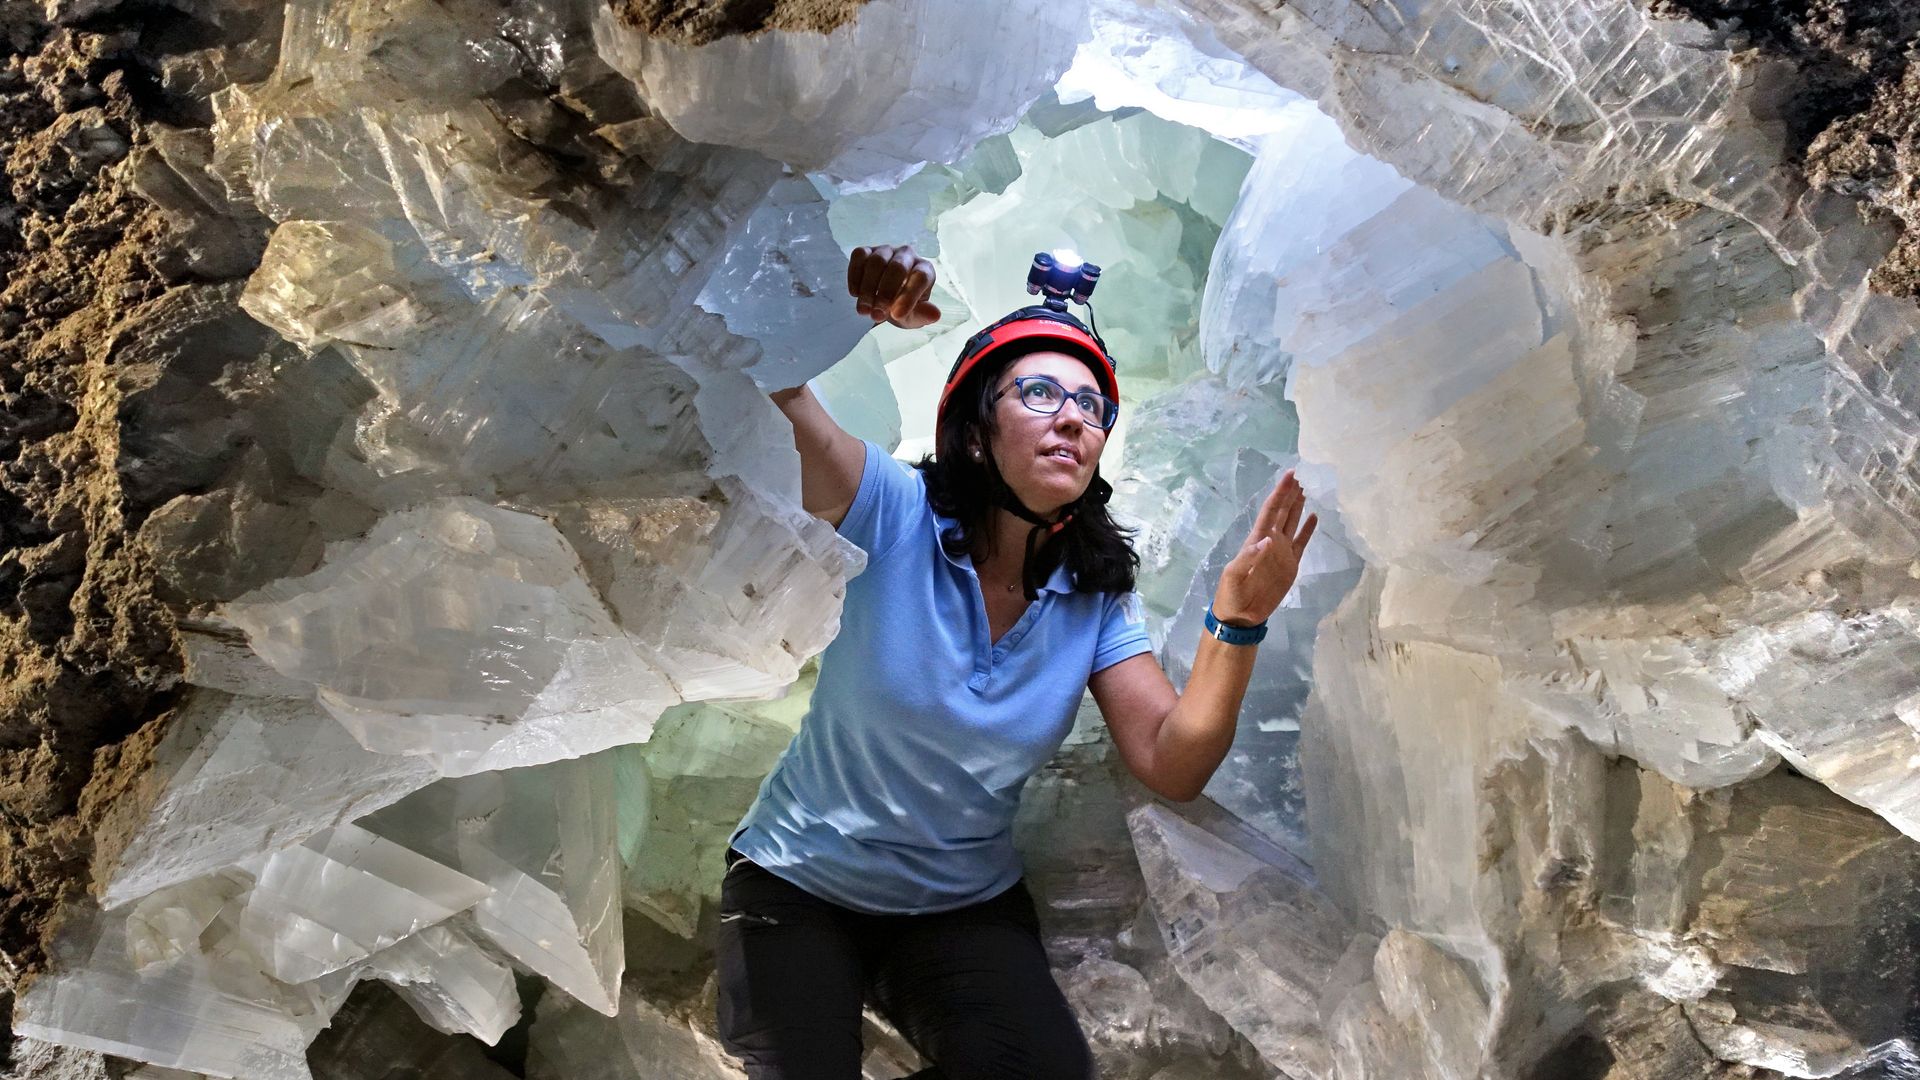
(1043, 530)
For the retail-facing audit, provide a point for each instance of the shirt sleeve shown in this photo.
(1123, 631)
(890, 505)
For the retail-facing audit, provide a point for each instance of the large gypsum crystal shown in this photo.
(212, 1013)
(900, 83)
(786, 271)
(476, 637)
(545, 842)
(1253, 939)
(455, 628)
(245, 775)
(1161, 58)
(1328, 248)
(341, 896)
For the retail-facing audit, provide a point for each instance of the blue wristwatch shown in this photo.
(1234, 635)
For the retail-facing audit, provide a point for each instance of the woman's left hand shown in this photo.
(1260, 574)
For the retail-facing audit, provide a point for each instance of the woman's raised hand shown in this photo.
(1258, 577)
(891, 284)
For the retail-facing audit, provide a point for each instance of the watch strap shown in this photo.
(1234, 635)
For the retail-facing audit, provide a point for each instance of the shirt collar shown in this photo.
(1060, 581)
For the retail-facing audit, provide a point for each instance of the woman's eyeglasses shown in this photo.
(1044, 395)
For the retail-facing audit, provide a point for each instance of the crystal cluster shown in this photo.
(905, 83)
(1584, 744)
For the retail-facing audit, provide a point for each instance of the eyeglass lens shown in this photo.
(1043, 395)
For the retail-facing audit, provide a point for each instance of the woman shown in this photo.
(877, 861)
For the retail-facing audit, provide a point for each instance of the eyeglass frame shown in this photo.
(1020, 384)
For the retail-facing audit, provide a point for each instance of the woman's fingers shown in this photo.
(1306, 534)
(1280, 514)
(1296, 502)
(892, 284)
(856, 266)
(1269, 515)
(913, 290)
(923, 315)
(893, 279)
(864, 270)
(877, 262)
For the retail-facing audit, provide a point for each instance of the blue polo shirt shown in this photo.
(898, 795)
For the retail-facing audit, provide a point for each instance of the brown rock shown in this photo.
(697, 22)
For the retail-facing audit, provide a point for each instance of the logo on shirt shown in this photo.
(1131, 609)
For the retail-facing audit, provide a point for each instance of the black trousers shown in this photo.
(970, 989)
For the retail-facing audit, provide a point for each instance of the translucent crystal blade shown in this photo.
(375, 1034)
(808, 98)
(783, 284)
(1165, 60)
(724, 596)
(246, 775)
(196, 1013)
(1254, 940)
(455, 627)
(451, 982)
(342, 895)
(545, 840)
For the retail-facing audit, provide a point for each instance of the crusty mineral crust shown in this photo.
(1856, 117)
(115, 342)
(697, 22)
(86, 651)
(1875, 155)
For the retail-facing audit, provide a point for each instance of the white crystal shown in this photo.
(342, 895)
(1376, 249)
(1827, 691)
(168, 923)
(726, 597)
(953, 76)
(451, 982)
(784, 284)
(1429, 992)
(455, 627)
(1162, 59)
(1254, 941)
(199, 1013)
(246, 775)
(545, 841)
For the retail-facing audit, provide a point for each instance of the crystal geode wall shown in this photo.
(1664, 509)
(400, 409)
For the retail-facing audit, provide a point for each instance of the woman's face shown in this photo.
(1047, 460)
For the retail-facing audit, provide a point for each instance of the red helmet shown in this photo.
(1032, 329)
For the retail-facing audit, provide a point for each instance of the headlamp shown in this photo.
(1061, 276)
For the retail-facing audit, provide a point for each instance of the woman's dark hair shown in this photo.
(1096, 550)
